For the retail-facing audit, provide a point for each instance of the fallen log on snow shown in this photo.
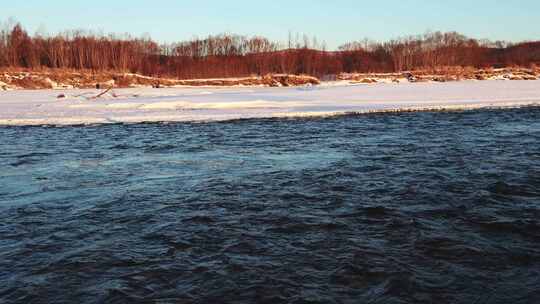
(101, 94)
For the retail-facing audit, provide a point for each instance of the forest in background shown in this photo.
(229, 55)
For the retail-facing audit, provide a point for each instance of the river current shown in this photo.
(429, 207)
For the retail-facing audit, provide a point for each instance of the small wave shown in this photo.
(398, 208)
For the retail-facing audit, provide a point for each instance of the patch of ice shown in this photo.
(196, 104)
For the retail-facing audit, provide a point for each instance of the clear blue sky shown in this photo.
(334, 21)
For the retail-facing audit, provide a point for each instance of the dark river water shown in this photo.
(433, 207)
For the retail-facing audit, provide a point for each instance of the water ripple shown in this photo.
(384, 208)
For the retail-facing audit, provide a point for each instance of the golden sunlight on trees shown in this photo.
(229, 55)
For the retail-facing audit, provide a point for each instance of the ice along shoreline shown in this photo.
(138, 105)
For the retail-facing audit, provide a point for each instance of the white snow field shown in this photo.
(42, 107)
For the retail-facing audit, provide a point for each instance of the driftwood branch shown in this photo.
(101, 94)
(94, 97)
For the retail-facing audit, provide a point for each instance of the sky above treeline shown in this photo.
(334, 22)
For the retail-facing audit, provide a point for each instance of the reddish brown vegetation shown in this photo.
(238, 56)
(444, 75)
(60, 78)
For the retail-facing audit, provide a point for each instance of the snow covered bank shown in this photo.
(66, 79)
(444, 75)
(210, 104)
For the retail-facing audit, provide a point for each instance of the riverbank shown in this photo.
(444, 75)
(60, 79)
(67, 79)
(91, 106)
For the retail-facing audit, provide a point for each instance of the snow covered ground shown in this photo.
(209, 104)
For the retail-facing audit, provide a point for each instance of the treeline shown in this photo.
(233, 55)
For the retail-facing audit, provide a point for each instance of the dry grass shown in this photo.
(65, 78)
(444, 74)
(61, 78)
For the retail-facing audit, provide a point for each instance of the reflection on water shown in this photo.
(405, 208)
